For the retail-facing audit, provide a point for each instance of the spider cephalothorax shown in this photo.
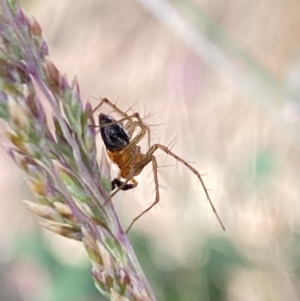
(123, 150)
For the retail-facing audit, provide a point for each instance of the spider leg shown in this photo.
(154, 166)
(130, 127)
(144, 128)
(165, 149)
(104, 101)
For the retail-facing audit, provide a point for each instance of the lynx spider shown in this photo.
(123, 150)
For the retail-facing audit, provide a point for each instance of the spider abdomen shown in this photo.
(113, 134)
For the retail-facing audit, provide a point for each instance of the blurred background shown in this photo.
(222, 79)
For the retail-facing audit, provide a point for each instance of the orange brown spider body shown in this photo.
(127, 162)
(117, 143)
(123, 150)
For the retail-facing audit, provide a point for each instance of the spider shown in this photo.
(123, 150)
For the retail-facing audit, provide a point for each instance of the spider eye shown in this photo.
(113, 135)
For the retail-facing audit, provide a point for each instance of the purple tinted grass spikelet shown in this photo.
(71, 189)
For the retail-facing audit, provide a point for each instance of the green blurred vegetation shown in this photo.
(203, 281)
(66, 282)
